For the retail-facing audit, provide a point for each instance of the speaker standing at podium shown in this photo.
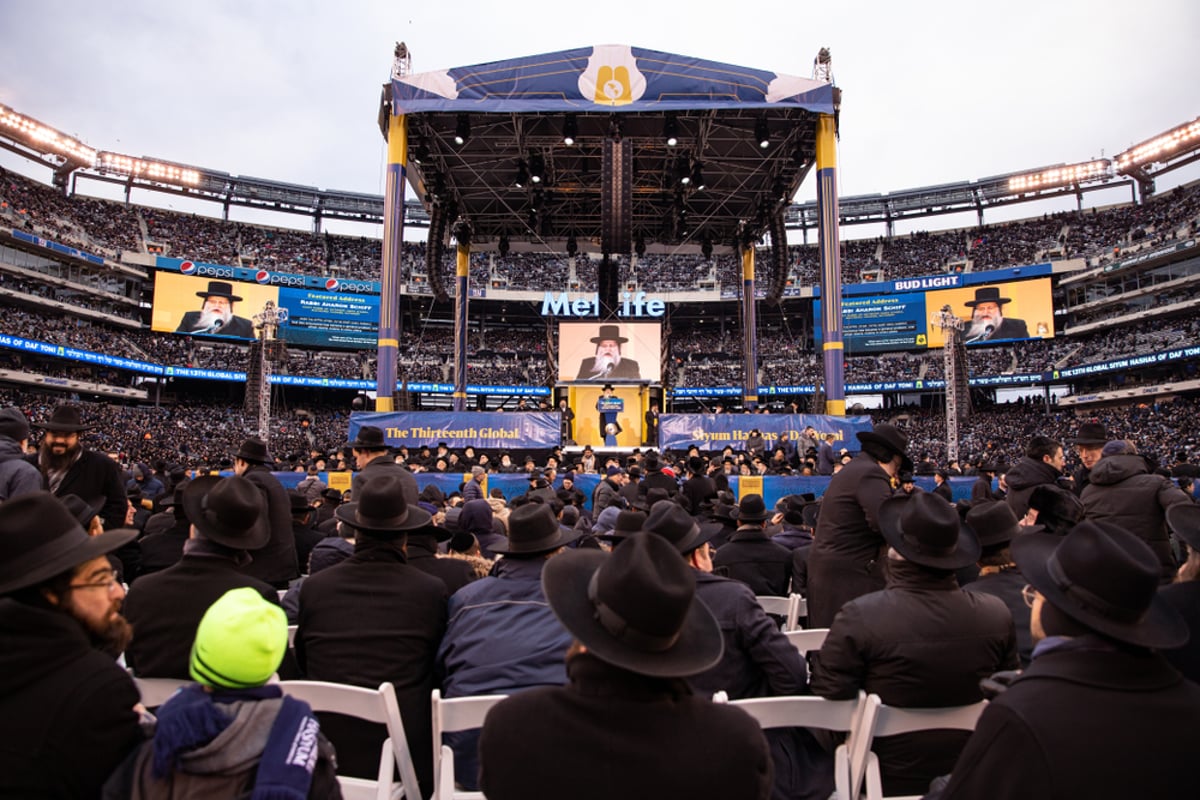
(609, 407)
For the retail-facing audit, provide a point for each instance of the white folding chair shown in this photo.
(795, 711)
(776, 606)
(373, 705)
(281, 593)
(799, 609)
(292, 635)
(452, 714)
(807, 639)
(893, 721)
(156, 691)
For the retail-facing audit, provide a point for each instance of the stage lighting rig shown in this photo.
(570, 129)
(462, 130)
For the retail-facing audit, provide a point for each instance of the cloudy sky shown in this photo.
(934, 92)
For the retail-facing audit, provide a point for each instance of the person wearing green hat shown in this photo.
(232, 734)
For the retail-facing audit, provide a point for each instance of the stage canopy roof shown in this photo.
(512, 116)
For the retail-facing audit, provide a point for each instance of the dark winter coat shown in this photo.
(981, 490)
(370, 619)
(920, 643)
(1186, 599)
(276, 562)
(162, 550)
(422, 554)
(752, 558)
(1123, 492)
(657, 480)
(1025, 476)
(1007, 586)
(1095, 722)
(611, 733)
(17, 476)
(66, 709)
(93, 476)
(385, 465)
(847, 559)
(698, 489)
(165, 609)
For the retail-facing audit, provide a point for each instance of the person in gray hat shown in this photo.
(921, 642)
(227, 517)
(473, 659)
(67, 711)
(627, 724)
(17, 476)
(276, 561)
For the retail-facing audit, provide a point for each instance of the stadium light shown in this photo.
(671, 130)
(44, 138)
(462, 131)
(537, 167)
(1159, 147)
(160, 171)
(570, 129)
(522, 176)
(762, 133)
(1100, 169)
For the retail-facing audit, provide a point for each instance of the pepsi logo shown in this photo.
(262, 276)
(187, 267)
(331, 283)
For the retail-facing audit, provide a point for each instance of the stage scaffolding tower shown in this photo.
(954, 363)
(264, 351)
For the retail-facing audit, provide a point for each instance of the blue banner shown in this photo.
(324, 318)
(534, 430)
(62, 249)
(265, 277)
(716, 431)
(73, 354)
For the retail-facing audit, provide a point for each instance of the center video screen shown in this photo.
(610, 352)
(205, 307)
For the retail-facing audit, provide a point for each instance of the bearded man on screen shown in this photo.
(987, 319)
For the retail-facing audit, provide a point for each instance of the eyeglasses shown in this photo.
(106, 581)
(1029, 594)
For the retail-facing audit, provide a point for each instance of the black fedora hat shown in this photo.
(65, 419)
(1184, 519)
(229, 511)
(988, 294)
(677, 526)
(1104, 578)
(609, 333)
(43, 539)
(926, 530)
(891, 439)
(299, 502)
(369, 437)
(635, 608)
(220, 289)
(625, 524)
(380, 507)
(1093, 433)
(994, 523)
(533, 530)
(83, 511)
(751, 508)
(255, 451)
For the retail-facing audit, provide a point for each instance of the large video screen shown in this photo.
(610, 352)
(202, 306)
(991, 312)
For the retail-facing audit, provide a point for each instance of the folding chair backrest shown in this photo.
(799, 608)
(450, 715)
(893, 721)
(807, 639)
(778, 606)
(371, 705)
(156, 691)
(292, 635)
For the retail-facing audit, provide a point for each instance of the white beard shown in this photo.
(979, 328)
(604, 365)
(211, 318)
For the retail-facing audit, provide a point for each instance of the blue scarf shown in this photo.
(191, 719)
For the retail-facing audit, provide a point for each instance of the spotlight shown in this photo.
(684, 171)
(537, 167)
(522, 176)
(570, 130)
(698, 176)
(671, 130)
(762, 133)
(462, 131)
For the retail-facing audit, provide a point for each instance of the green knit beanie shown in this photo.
(240, 641)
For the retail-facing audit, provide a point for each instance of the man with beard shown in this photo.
(68, 468)
(215, 316)
(67, 711)
(988, 322)
(607, 364)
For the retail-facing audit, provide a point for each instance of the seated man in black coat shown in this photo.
(228, 518)
(1099, 713)
(920, 643)
(750, 556)
(67, 713)
(626, 725)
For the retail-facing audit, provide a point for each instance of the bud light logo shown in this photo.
(331, 284)
(262, 276)
(187, 268)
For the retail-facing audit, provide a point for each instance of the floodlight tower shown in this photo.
(262, 353)
(954, 369)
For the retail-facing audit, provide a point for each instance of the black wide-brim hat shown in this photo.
(64, 419)
(229, 511)
(893, 439)
(381, 507)
(994, 523)
(42, 539)
(533, 530)
(751, 508)
(220, 289)
(988, 294)
(582, 585)
(1104, 578)
(609, 333)
(370, 437)
(254, 451)
(1091, 433)
(927, 530)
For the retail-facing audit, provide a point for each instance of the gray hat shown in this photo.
(14, 424)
